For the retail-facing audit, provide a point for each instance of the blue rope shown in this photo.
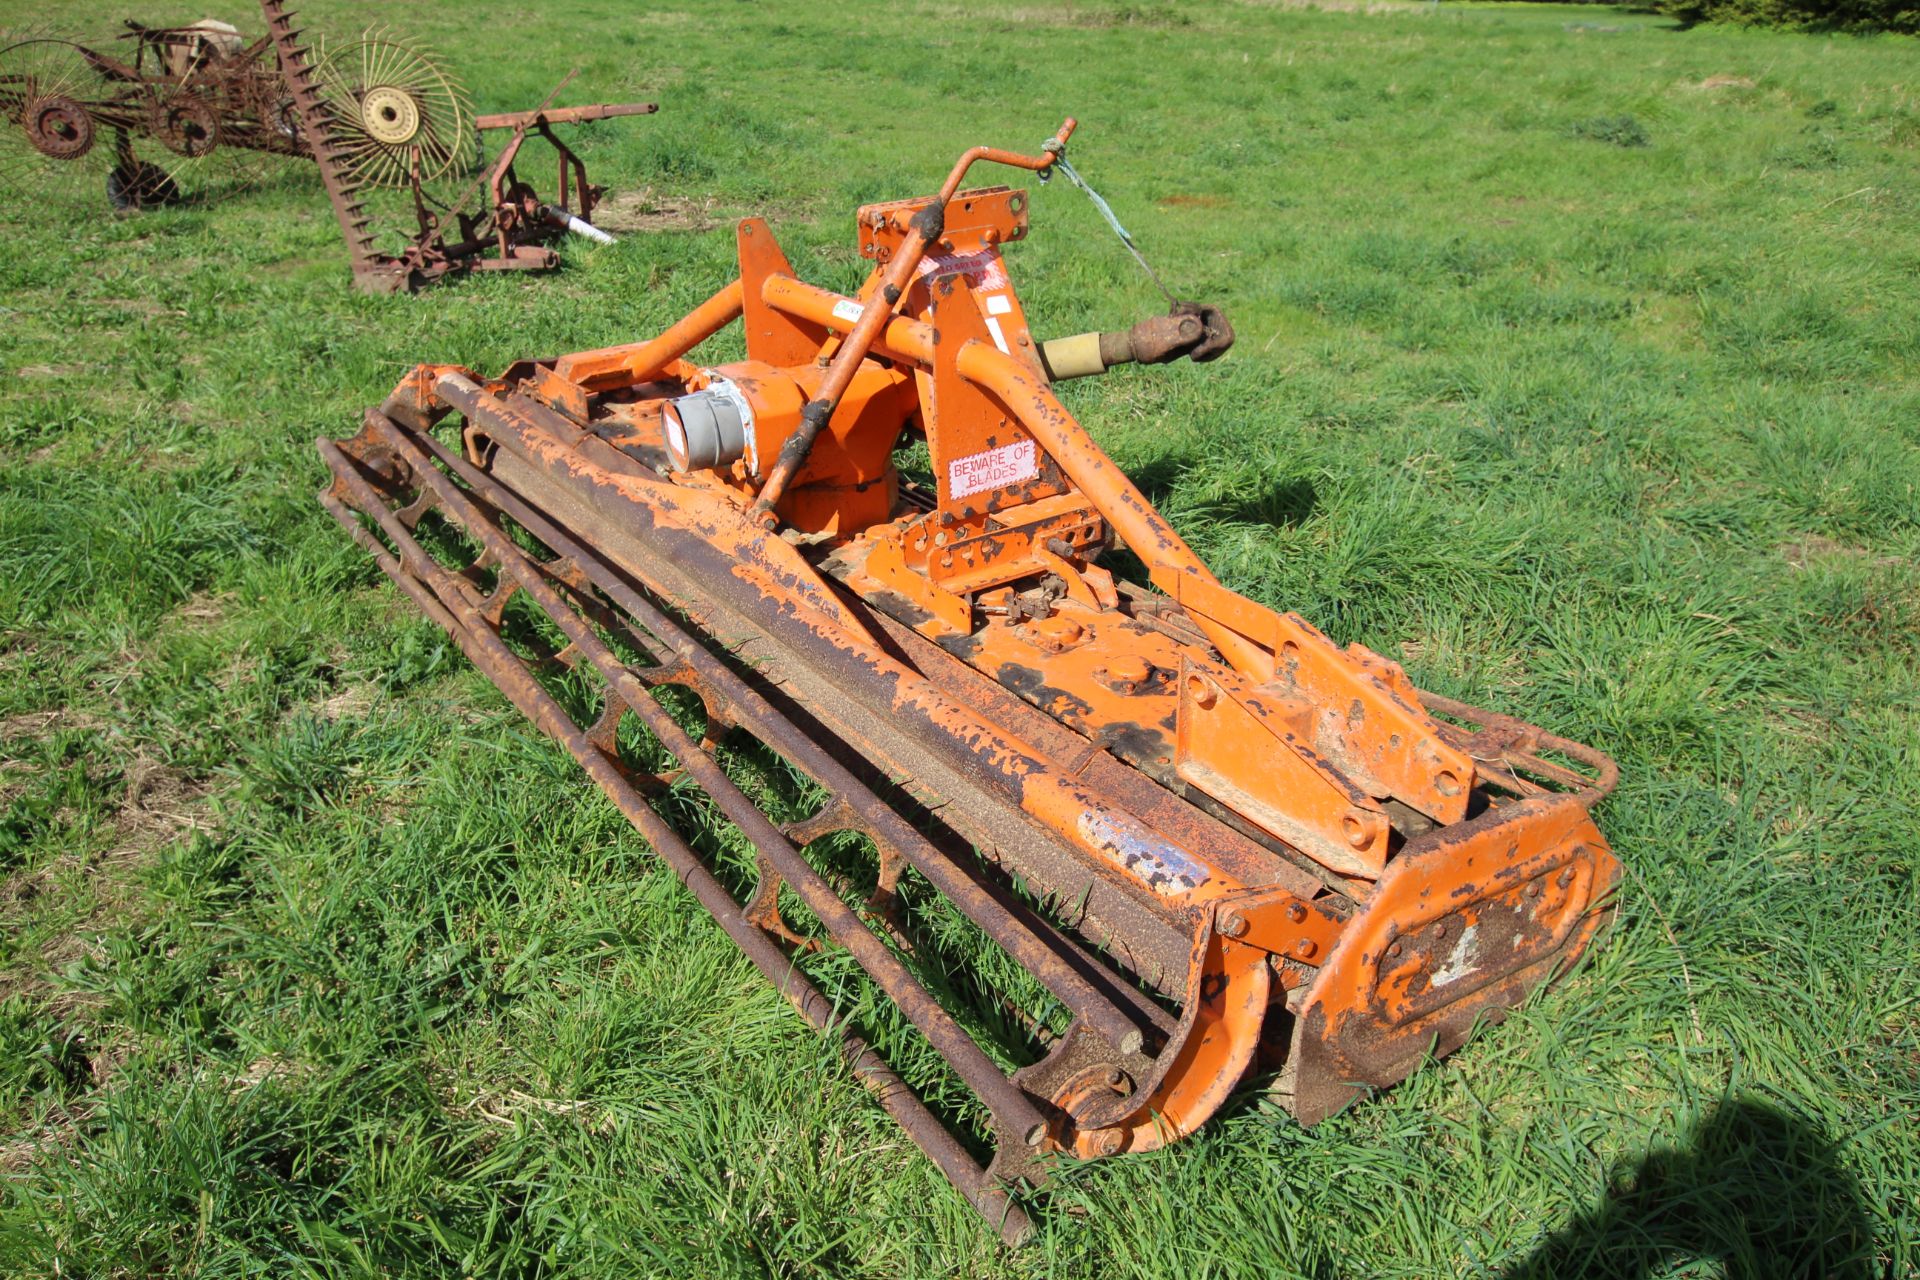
(1106, 211)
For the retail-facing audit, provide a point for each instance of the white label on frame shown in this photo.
(992, 469)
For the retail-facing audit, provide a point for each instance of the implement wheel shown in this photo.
(131, 188)
(186, 124)
(58, 127)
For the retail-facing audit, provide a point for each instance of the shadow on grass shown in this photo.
(1757, 1189)
(1282, 504)
(1156, 479)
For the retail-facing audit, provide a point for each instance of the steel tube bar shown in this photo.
(643, 361)
(488, 651)
(564, 115)
(1012, 1108)
(1021, 935)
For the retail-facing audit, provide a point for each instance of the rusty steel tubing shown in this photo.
(1046, 792)
(564, 115)
(926, 228)
(488, 652)
(1022, 938)
(1019, 937)
(1592, 790)
(1010, 1106)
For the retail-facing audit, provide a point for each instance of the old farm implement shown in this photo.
(510, 226)
(390, 130)
(1212, 836)
(200, 92)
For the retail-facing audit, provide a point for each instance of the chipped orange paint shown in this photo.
(1467, 921)
(1216, 1046)
(641, 362)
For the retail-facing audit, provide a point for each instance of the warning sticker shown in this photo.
(983, 270)
(993, 469)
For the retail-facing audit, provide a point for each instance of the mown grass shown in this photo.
(1577, 370)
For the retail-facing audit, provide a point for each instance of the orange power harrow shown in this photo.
(1213, 836)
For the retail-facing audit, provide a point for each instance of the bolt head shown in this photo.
(1233, 924)
(1296, 912)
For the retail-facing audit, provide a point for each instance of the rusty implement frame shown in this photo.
(511, 227)
(1217, 842)
(192, 90)
(377, 113)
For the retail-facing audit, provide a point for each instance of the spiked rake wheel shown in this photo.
(201, 157)
(186, 124)
(58, 127)
(391, 107)
(48, 125)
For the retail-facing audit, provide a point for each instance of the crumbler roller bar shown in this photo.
(1215, 838)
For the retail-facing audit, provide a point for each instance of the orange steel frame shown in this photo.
(1278, 837)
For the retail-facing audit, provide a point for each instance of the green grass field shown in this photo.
(1579, 370)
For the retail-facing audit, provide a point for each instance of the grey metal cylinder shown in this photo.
(704, 430)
